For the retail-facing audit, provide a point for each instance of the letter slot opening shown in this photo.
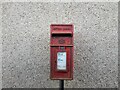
(61, 35)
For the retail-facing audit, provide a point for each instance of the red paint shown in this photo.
(61, 35)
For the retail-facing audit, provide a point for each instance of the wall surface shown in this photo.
(0, 46)
(118, 43)
(26, 37)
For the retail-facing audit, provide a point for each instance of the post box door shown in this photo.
(64, 70)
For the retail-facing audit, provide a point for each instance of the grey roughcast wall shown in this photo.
(26, 37)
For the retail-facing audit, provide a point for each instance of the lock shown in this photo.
(61, 52)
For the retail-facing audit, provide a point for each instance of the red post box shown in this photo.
(61, 52)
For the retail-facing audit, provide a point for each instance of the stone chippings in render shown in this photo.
(26, 36)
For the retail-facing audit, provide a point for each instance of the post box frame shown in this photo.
(70, 48)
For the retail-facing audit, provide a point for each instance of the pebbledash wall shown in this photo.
(26, 38)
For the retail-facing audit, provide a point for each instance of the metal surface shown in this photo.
(61, 41)
(61, 85)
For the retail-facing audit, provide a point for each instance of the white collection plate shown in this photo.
(61, 61)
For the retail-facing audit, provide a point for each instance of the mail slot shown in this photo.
(61, 51)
